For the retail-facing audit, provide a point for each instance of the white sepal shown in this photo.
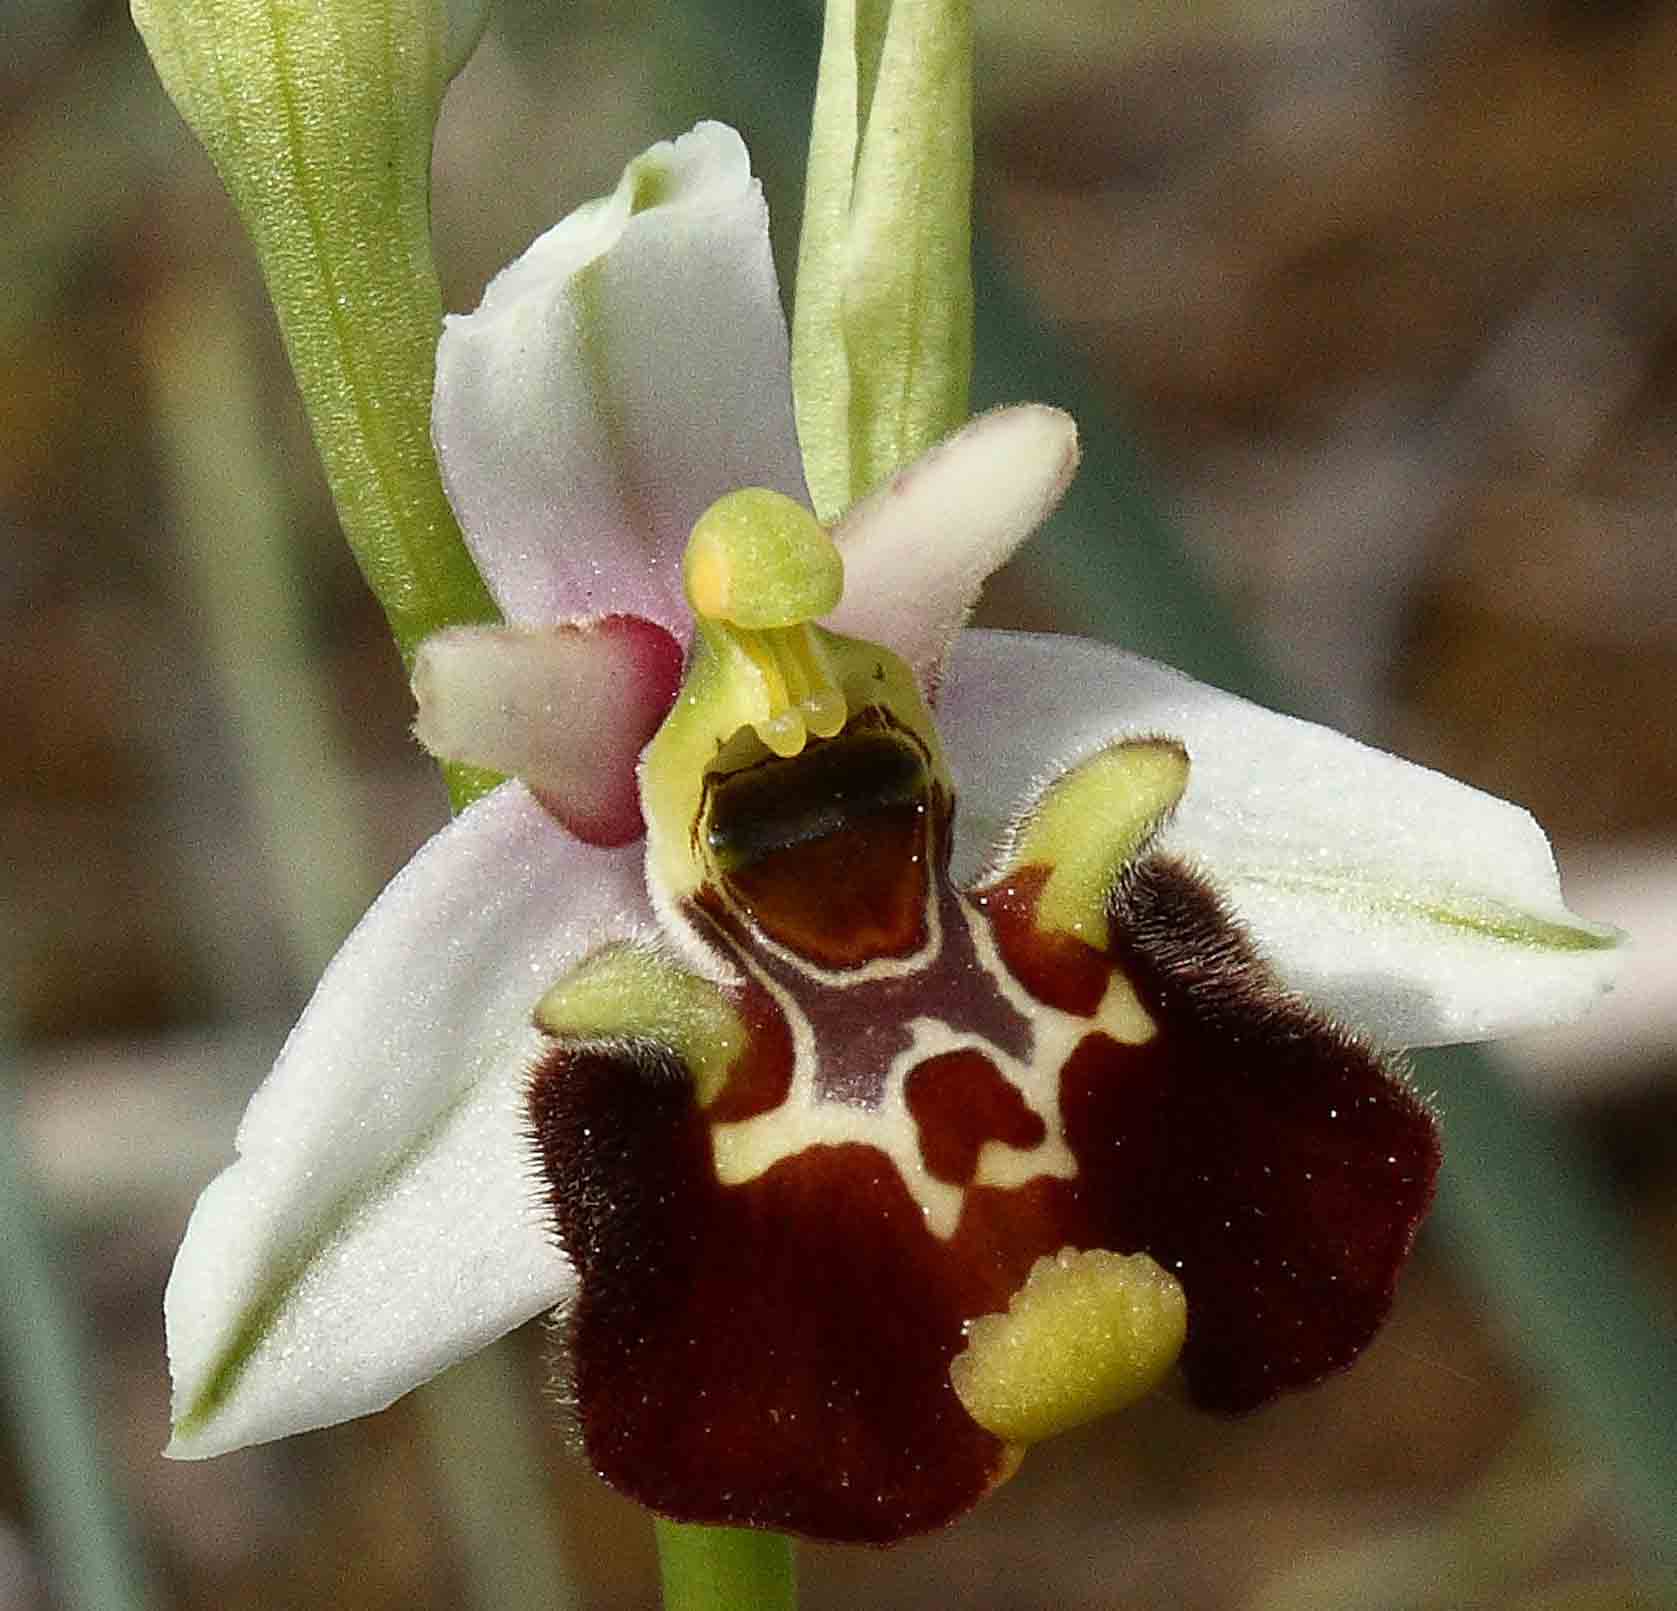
(1399, 901)
(618, 378)
(383, 1219)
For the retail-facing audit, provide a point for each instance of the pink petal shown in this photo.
(567, 709)
(918, 551)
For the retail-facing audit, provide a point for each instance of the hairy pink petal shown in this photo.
(917, 552)
(519, 699)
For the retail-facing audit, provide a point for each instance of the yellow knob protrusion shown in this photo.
(1092, 823)
(627, 991)
(758, 559)
(1090, 1332)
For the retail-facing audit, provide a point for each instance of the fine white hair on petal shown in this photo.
(1404, 903)
(917, 551)
(381, 1221)
(625, 372)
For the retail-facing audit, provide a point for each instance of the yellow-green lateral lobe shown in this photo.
(1091, 824)
(626, 991)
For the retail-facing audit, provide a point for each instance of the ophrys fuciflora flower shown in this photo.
(925, 1067)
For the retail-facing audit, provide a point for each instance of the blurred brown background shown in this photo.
(1385, 292)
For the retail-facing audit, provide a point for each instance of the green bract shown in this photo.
(882, 332)
(319, 116)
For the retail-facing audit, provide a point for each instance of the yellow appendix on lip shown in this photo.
(1088, 1333)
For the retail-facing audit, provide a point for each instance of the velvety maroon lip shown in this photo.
(775, 1351)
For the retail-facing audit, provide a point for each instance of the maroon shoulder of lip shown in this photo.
(1275, 1164)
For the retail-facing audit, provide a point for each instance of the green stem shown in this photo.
(725, 1568)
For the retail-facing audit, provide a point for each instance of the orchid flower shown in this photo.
(885, 1044)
